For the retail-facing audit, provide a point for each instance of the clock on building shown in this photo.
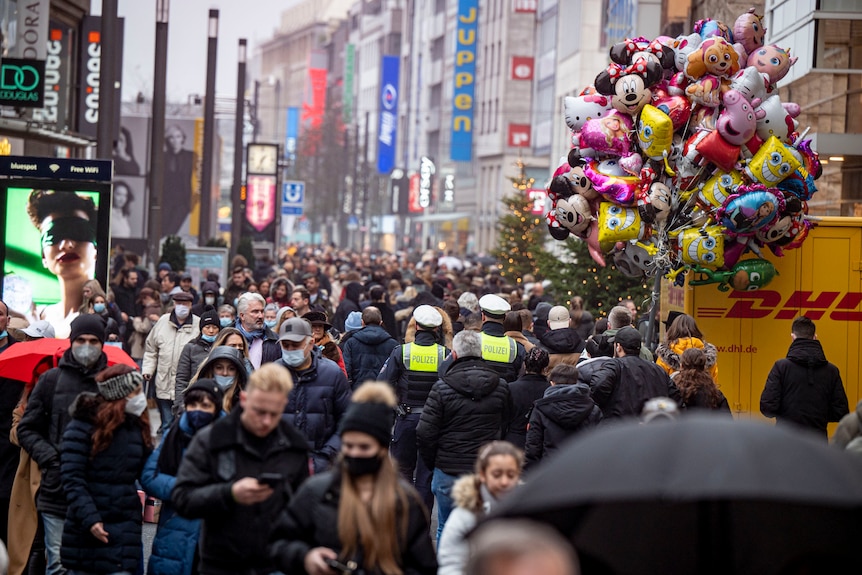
(262, 159)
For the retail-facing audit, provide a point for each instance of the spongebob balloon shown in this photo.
(655, 135)
(772, 163)
(618, 224)
(719, 187)
(702, 247)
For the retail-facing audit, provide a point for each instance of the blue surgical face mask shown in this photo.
(98, 307)
(225, 321)
(208, 338)
(224, 381)
(293, 358)
(269, 323)
(3, 334)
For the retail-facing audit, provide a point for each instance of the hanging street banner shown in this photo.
(260, 201)
(388, 132)
(347, 97)
(465, 81)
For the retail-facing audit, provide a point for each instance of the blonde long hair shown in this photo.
(378, 527)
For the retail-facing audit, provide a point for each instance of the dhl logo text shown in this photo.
(840, 306)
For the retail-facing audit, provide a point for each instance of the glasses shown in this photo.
(69, 228)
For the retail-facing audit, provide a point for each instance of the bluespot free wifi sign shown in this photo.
(292, 198)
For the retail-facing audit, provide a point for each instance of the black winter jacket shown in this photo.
(193, 354)
(588, 367)
(562, 412)
(804, 389)
(233, 536)
(623, 385)
(40, 431)
(365, 353)
(311, 520)
(350, 303)
(10, 394)
(315, 406)
(468, 407)
(565, 340)
(525, 391)
(101, 489)
(395, 373)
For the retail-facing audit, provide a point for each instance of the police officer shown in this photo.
(503, 354)
(412, 370)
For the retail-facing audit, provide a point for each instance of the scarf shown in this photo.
(173, 446)
(249, 335)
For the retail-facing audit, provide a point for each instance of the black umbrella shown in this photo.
(699, 495)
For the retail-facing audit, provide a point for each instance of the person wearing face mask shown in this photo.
(195, 352)
(208, 299)
(175, 544)
(162, 352)
(270, 315)
(239, 473)
(40, 431)
(226, 315)
(104, 450)
(320, 395)
(226, 365)
(263, 344)
(114, 329)
(361, 513)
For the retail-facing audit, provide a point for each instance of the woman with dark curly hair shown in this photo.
(524, 391)
(103, 452)
(684, 334)
(696, 386)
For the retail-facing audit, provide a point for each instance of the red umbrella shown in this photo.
(18, 361)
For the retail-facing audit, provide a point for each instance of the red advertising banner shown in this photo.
(522, 67)
(537, 195)
(260, 201)
(413, 204)
(315, 97)
(519, 135)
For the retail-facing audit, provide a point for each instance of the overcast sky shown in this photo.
(255, 20)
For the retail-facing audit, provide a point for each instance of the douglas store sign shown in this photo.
(22, 83)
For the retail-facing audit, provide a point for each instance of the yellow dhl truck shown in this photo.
(751, 329)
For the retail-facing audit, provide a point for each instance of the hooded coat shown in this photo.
(467, 407)
(102, 489)
(365, 353)
(525, 391)
(564, 410)
(563, 345)
(220, 352)
(40, 431)
(350, 303)
(804, 388)
(622, 385)
(163, 348)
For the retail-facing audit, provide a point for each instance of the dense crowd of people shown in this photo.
(312, 412)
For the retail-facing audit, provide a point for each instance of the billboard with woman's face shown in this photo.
(55, 240)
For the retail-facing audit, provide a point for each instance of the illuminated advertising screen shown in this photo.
(55, 240)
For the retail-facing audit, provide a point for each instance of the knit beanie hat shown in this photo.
(354, 321)
(118, 381)
(209, 386)
(88, 324)
(375, 419)
(209, 317)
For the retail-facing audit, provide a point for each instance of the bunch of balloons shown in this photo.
(684, 158)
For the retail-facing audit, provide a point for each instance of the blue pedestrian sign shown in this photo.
(292, 198)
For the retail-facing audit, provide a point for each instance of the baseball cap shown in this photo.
(558, 317)
(629, 338)
(40, 328)
(427, 316)
(494, 305)
(294, 329)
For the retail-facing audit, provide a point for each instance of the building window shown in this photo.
(436, 96)
(434, 144)
(439, 6)
(839, 44)
(437, 49)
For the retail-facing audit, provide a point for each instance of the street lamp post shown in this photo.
(205, 219)
(107, 79)
(238, 150)
(157, 150)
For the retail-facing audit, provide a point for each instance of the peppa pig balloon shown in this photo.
(736, 123)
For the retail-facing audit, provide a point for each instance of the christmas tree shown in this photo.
(520, 233)
(572, 272)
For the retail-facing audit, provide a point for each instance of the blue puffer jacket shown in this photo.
(101, 489)
(366, 352)
(177, 537)
(315, 406)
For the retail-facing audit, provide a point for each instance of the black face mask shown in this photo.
(358, 466)
(68, 228)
